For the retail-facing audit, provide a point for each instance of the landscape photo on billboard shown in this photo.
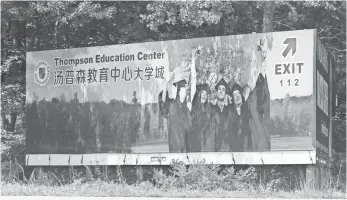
(217, 94)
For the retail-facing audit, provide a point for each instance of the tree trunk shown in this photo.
(221, 26)
(18, 41)
(3, 51)
(269, 10)
(16, 70)
(37, 40)
(4, 120)
(55, 35)
(35, 37)
(67, 42)
(268, 15)
(13, 121)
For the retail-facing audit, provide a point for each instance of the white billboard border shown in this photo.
(289, 157)
(220, 158)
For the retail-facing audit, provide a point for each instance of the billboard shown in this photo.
(240, 99)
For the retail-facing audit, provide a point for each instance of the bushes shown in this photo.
(258, 179)
(179, 176)
(12, 146)
(180, 180)
(205, 177)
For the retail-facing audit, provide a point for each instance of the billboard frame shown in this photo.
(279, 157)
(328, 70)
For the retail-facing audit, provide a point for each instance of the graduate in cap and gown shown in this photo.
(178, 117)
(259, 107)
(200, 137)
(239, 132)
(257, 96)
(220, 117)
(177, 110)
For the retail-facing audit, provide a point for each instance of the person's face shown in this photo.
(203, 96)
(183, 94)
(221, 92)
(237, 97)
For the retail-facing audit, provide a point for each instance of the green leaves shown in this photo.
(186, 12)
(12, 99)
(88, 10)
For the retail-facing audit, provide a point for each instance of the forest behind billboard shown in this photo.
(241, 93)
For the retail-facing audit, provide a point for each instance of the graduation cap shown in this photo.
(236, 87)
(222, 82)
(179, 84)
(203, 86)
(231, 83)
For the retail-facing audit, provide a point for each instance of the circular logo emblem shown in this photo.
(42, 73)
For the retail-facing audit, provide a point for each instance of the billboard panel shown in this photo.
(324, 65)
(248, 95)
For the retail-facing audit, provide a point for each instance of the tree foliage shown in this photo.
(57, 126)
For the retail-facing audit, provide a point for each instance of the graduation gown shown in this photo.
(259, 107)
(200, 137)
(241, 131)
(220, 127)
(178, 119)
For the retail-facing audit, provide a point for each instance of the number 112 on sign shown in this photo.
(289, 82)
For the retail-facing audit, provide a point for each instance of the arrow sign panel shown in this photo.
(291, 45)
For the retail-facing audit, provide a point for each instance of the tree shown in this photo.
(13, 68)
(269, 10)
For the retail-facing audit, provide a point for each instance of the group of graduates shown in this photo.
(234, 123)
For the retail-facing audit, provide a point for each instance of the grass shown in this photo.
(145, 189)
(181, 181)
